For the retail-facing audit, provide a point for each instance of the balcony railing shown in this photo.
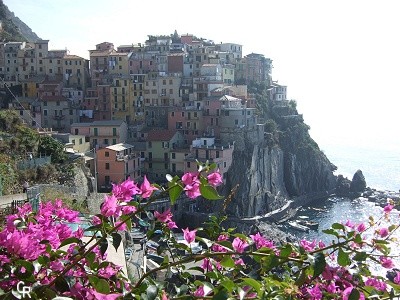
(58, 117)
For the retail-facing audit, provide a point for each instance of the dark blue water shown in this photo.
(339, 210)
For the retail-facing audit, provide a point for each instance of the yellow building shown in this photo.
(122, 99)
(118, 63)
(75, 72)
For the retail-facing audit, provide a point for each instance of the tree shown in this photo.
(50, 146)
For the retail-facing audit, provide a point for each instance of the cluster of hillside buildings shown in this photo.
(152, 108)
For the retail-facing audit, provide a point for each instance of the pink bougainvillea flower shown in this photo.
(192, 190)
(146, 188)
(125, 190)
(127, 209)
(206, 265)
(386, 262)
(361, 227)
(315, 292)
(388, 208)
(349, 224)
(260, 241)
(239, 245)
(164, 296)
(171, 225)
(397, 278)
(96, 220)
(214, 178)
(164, 217)
(188, 235)
(199, 292)
(308, 246)
(377, 284)
(190, 178)
(383, 232)
(346, 293)
(218, 248)
(122, 226)
(109, 206)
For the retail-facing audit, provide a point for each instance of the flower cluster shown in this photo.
(46, 251)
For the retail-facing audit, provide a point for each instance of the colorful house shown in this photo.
(116, 163)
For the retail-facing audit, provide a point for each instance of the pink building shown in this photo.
(141, 63)
(175, 62)
(187, 120)
(115, 164)
(204, 149)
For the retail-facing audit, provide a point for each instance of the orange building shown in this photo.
(115, 164)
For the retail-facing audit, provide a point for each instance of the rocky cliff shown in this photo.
(276, 161)
(12, 28)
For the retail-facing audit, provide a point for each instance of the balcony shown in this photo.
(58, 117)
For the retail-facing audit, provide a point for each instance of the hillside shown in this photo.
(12, 28)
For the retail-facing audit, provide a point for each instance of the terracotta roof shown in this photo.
(54, 98)
(160, 135)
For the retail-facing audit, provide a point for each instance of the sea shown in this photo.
(380, 164)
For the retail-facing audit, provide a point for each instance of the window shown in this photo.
(80, 141)
(107, 180)
(166, 166)
(45, 112)
(150, 144)
(106, 141)
(188, 164)
(95, 131)
(107, 166)
(224, 164)
(114, 131)
(76, 131)
(150, 166)
(173, 155)
(114, 141)
(216, 154)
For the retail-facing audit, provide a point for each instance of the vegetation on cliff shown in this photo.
(19, 143)
(12, 29)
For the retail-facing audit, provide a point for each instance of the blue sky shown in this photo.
(340, 59)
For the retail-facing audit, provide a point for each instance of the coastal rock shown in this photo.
(269, 175)
(358, 183)
(343, 186)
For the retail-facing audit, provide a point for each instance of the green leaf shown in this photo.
(228, 284)
(102, 286)
(286, 250)
(174, 192)
(331, 232)
(253, 283)
(151, 292)
(343, 258)
(116, 240)
(69, 240)
(221, 295)
(227, 262)
(338, 226)
(210, 193)
(213, 166)
(28, 272)
(61, 284)
(360, 256)
(103, 247)
(44, 292)
(319, 264)
(354, 295)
